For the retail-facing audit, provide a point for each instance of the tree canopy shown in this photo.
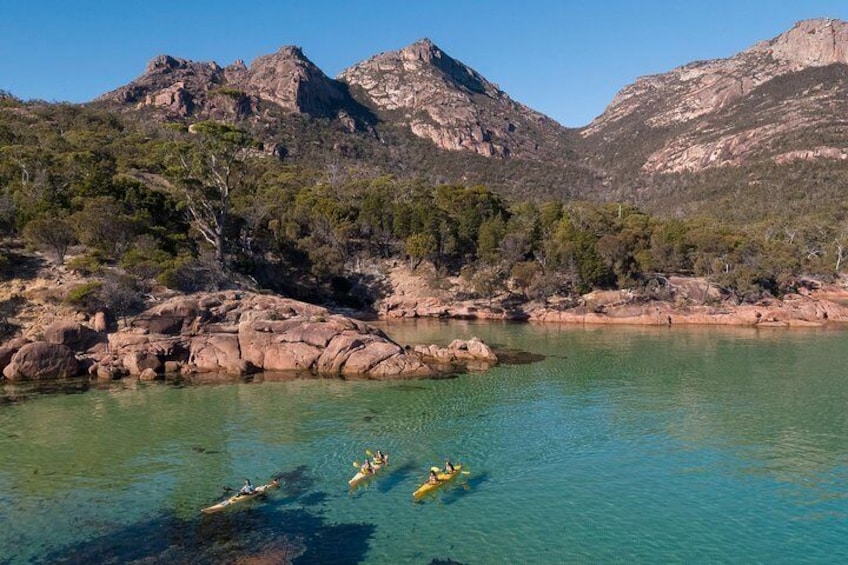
(193, 206)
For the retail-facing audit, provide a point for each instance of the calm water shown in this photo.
(622, 445)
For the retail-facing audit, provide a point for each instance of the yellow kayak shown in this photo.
(240, 498)
(443, 477)
(361, 477)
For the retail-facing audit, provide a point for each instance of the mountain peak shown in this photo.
(161, 62)
(285, 57)
(288, 78)
(292, 51)
(720, 112)
(181, 88)
(817, 42)
(422, 50)
(448, 102)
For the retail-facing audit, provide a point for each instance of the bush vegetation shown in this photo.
(194, 209)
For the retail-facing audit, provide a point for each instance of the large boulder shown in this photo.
(401, 366)
(182, 314)
(41, 361)
(8, 350)
(75, 336)
(472, 349)
(458, 352)
(287, 356)
(215, 353)
(137, 362)
(363, 360)
(241, 332)
(99, 322)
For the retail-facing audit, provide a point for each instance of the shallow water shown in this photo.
(621, 445)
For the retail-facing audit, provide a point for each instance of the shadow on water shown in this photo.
(517, 357)
(464, 488)
(396, 476)
(201, 449)
(407, 387)
(266, 534)
(12, 393)
(445, 562)
(296, 482)
(313, 499)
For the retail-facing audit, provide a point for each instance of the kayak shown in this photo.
(427, 488)
(361, 477)
(240, 498)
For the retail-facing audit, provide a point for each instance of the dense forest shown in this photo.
(208, 206)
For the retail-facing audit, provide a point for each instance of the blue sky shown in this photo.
(565, 58)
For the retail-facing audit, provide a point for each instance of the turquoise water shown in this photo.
(621, 445)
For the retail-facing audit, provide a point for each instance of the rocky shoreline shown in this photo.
(231, 332)
(692, 302)
(792, 311)
(241, 333)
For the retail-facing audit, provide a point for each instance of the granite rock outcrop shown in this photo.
(778, 96)
(40, 360)
(444, 100)
(419, 87)
(230, 332)
(177, 89)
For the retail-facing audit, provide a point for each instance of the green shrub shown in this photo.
(233, 93)
(87, 265)
(84, 296)
(146, 263)
(192, 275)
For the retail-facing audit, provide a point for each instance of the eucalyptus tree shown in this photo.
(209, 166)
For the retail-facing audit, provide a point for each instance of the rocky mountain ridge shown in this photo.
(726, 111)
(177, 88)
(419, 87)
(441, 99)
(780, 102)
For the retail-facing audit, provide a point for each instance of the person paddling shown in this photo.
(433, 479)
(449, 468)
(367, 468)
(247, 489)
(380, 458)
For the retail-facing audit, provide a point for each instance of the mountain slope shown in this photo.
(417, 112)
(412, 113)
(176, 88)
(441, 99)
(781, 99)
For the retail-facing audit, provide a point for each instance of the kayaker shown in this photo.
(247, 488)
(380, 459)
(449, 468)
(367, 468)
(434, 478)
